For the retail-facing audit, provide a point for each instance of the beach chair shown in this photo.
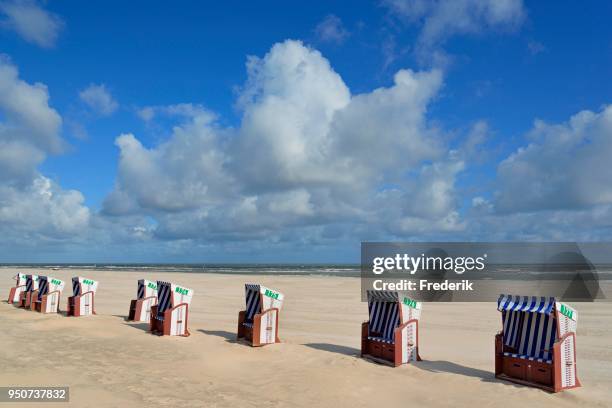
(82, 301)
(170, 316)
(537, 344)
(20, 285)
(258, 323)
(391, 336)
(140, 308)
(49, 292)
(30, 292)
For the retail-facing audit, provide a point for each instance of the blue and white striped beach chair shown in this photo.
(30, 292)
(170, 316)
(49, 293)
(258, 323)
(146, 297)
(20, 285)
(82, 301)
(537, 344)
(391, 335)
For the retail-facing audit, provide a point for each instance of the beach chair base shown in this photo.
(539, 374)
(174, 323)
(48, 304)
(388, 352)
(26, 298)
(262, 331)
(82, 305)
(15, 294)
(140, 309)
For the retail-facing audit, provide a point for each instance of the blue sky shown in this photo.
(467, 142)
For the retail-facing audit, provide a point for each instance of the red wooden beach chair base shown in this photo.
(253, 333)
(26, 298)
(15, 294)
(138, 309)
(392, 353)
(165, 327)
(81, 305)
(48, 304)
(546, 376)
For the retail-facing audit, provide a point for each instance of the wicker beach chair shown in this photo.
(82, 301)
(537, 344)
(30, 292)
(392, 333)
(49, 294)
(258, 323)
(146, 297)
(20, 285)
(170, 317)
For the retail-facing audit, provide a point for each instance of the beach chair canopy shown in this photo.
(47, 284)
(529, 326)
(388, 310)
(20, 279)
(260, 298)
(82, 285)
(43, 287)
(31, 283)
(146, 288)
(170, 295)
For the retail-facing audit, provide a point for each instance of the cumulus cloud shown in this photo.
(307, 153)
(32, 206)
(99, 99)
(564, 167)
(441, 19)
(33, 23)
(331, 29)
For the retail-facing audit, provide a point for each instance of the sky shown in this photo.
(291, 132)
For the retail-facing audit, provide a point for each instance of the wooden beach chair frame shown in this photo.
(170, 316)
(146, 298)
(553, 366)
(30, 292)
(258, 323)
(20, 286)
(391, 335)
(82, 303)
(47, 301)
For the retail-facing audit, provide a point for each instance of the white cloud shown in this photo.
(331, 29)
(441, 19)
(566, 166)
(42, 209)
(27, 114)
(28, 19)
(32, 207)
(306, 153)
(535, 47)
(99, 99)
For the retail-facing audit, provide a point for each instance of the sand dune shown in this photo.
(109, 362)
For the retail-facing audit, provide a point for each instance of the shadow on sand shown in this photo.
(334, 348)
(137, 325)
(454, 368)
(228, 336)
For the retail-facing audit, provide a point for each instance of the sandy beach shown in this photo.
(108, 362)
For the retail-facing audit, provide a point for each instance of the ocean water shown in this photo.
(254, 269)
(511, 272)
